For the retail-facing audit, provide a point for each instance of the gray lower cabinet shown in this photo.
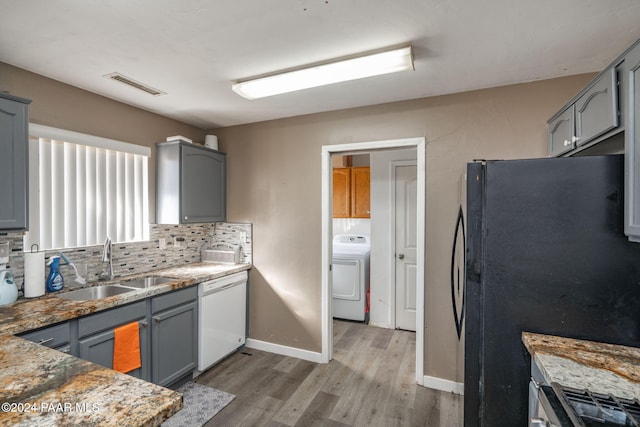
(168, 326)
(174, 330)
(14, 162)
(632, 145)
(57, 337)
(96, 336)
(191, 184)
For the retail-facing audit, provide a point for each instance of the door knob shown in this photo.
(400, 256)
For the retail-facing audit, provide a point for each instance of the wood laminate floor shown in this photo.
(369, 382)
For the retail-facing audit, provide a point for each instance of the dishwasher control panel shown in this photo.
(222, 282)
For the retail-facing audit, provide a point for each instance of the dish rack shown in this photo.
(224, 253)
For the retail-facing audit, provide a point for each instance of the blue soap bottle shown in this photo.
(55, 282)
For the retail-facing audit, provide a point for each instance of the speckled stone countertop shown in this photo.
(45, 387)
(28, 314)
(597, 367)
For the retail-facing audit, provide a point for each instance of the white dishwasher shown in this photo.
(222, 305)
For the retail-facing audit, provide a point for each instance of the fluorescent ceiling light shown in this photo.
(375, 64)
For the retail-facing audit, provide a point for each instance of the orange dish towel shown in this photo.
(126, 348)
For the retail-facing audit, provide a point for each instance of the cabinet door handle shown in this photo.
(567, 142)
(156, 318)
(144, 323)
(186, 217)
(575, 139)
(45, 341)
(400, 256)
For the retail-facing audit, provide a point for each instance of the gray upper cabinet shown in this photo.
(561, 133)
(597, 109)
(191, 184)
(606, 112)
(606, 107)
(632, 145)
(592, 114)
(203, 185)
(14, 162)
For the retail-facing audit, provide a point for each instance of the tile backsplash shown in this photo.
(169, 246)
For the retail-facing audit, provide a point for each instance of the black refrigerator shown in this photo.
(545, 253)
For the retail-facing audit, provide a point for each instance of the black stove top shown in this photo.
(587, 409)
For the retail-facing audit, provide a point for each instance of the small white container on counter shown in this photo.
(211, 141)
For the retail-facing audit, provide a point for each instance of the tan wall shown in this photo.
(66, 107)
(274, 182)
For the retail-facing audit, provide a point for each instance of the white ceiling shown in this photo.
(194, 49)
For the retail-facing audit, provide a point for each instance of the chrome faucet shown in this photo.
(107, 256)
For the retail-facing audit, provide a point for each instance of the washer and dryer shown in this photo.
(351, 276)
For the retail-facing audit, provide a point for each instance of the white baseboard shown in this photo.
(380, 325)
(284, 350)
(443, 385)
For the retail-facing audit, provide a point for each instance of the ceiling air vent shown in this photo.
(130, 82)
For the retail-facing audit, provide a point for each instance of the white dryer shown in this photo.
(350, 269)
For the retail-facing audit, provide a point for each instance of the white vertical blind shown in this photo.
(87, 193)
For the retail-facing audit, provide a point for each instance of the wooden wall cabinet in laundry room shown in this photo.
(341, 192)
(351, 188)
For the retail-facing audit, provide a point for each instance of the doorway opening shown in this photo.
(351, 237)
(417, 271)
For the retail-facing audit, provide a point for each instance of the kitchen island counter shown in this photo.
(44, 387)
(586, 365)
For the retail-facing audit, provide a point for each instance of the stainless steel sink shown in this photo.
(95, 292)
(147, 282)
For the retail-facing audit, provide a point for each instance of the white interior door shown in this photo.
(406, 191)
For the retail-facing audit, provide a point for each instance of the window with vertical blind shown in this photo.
(83, 189)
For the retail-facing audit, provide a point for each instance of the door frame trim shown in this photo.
(327, 230)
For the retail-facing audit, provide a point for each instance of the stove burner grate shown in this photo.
(593, 409)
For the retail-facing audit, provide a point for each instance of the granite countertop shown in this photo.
(28, 314)
(597, 367)
(41, 386)
(44, 387)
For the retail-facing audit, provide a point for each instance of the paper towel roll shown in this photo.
(33, 274)
(211, 141)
